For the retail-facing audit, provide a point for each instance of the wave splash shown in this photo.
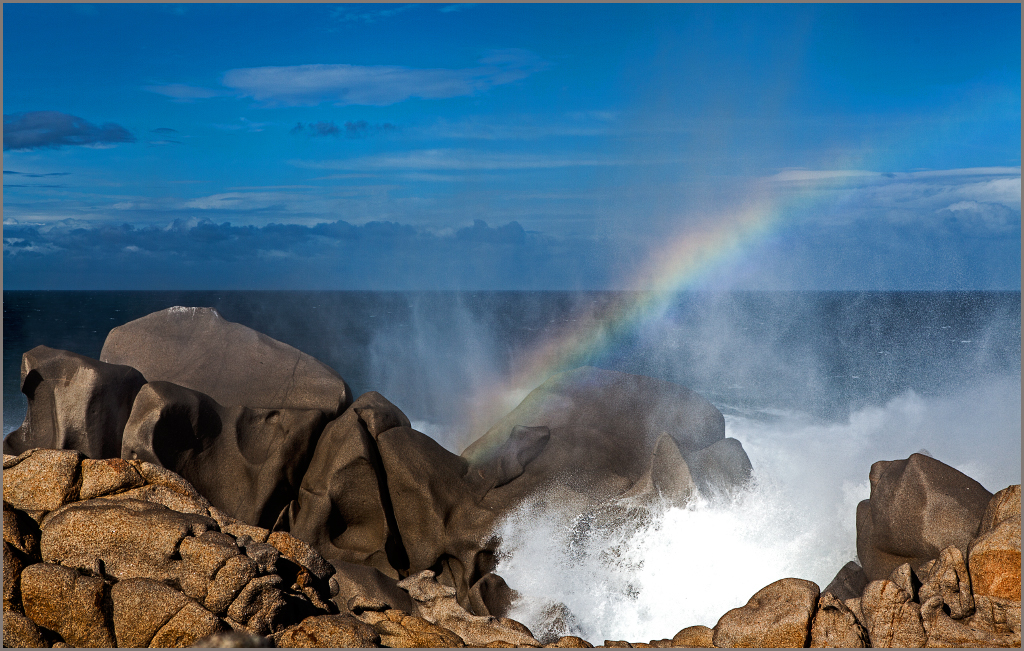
(648, 574)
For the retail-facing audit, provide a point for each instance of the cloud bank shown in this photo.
(52, 130)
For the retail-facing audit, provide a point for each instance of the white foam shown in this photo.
(648, 578)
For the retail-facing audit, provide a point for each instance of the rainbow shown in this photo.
(680, 264)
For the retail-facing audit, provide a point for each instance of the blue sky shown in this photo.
(491, 146)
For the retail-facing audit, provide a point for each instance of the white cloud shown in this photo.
(980, 200)
(183, 92)
(342, 84)
(456, 159)
(349, 14)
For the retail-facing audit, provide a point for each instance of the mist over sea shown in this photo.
(816, 386)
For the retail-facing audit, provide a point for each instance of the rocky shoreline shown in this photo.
(202, 484)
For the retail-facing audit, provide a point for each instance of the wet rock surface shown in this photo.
(217, 488)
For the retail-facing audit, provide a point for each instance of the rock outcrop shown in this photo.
(206, 485)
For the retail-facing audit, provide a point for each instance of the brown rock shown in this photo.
(43, 480)
(415, 632)
(617, 644)
(891, 618)
(436, 603)
(234, 640)
(20, 632)
(236, 527)
(944, 631)
(73, 606)
(778, 615)
(849, 582)
(694, 637)
(202, 558)
(994, 560)
(1003, 505)
(300, 553)
(247, 462)
(229, 581)
(835, 626)
(367, 582)
(328, 631)
(996, 615)
(12, 572)
(235, 365)
(188, 625)
(342, 508)
(569, 642)
(131, 538)
(949, 580)
(918, 507)
(164, 497)
(21, 532)
(141, 607)
(260, 605)
(74, 403)
(105, 476)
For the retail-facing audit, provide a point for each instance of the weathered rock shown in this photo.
(130, 537)
(301, 553)
(20, 632)
(236, 573)
(21, 533)
(944, 631)
(328, 631)
(234, 640)
(1004, 505)
(700, 637)
(599, 427)
(260, 605)
(721, 467)
(343, 508)
(235, 365)
(569, 642)
(72, 605)
(401, 630)
(918, 507)
(835, 626)
(949, 580)
(778, 615)
(849, 582)
(366, 583)
(433, 506)
(188, 625)
(106, 476)
(247, 462)
(436, 603)
(13, 566)
(996, 615)
(994, 559)
(891, 618)
(74, 403)
(43, 480)
(141, 607)
(490, 595)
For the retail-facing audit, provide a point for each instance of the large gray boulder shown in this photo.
(74, 403)
(248, 462)
(605, 434)
(198, 349)
(918, 507)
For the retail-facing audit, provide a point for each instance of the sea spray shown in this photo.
(649, 575)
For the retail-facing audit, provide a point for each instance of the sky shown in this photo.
(512, 146)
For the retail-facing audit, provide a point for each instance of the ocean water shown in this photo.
(816, 385)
